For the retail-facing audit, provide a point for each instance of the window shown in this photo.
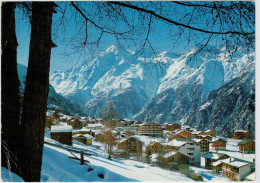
(190, 154)
(191, 159)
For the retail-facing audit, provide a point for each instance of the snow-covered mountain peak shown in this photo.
(136, 82)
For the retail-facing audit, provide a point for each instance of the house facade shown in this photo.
(204, 145)
(130, 145)
(219, 144)
(174, 126)
(62, 134)
(235, 169)
(247, 146)
(176, 136)
(151, 129)
(212, 133)
(242, 134)
(75, 123)
(154, 148)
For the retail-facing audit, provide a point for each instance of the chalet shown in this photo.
(207, 137)
(132, 128)
(130, 144)
(97, 126)
(184, 133)
(187, 128)
(166, 126)
(177, 157)
(128, 133)
(211, 157)
(75, 123)
(187, 147)
(62, 134)
(174, 126)
(151, 129)
(242, 134)
(197, 133)
(204, 145)
(212, 133)
(155, 148)
(83, 130)
(247, 146)
(55, 116)
(176, 136)
(83, 138)
(219, 144)
(236, 169)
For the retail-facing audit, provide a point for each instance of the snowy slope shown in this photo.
(57, 167)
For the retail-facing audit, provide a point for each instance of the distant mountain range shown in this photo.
(55, 101)
(168, 87)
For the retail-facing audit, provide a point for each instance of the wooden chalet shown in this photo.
(236, 169)
(176, 157)
(75, 123)
(174, 126)
(176, 136)
(184, 133)
(62, 134)
(128, 133)
(207, 137)
(84, 138)
(151, 129)
(130, 144)
(242, 134)
(247, 146)
(219, 144)
(155, 148)
(204, 145)
(212, 133)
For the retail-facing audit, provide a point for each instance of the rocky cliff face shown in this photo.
(230, 107)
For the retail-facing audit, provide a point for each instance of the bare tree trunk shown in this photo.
(10, 89)
(36, 90)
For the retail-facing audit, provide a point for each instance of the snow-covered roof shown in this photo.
(216, 163)
(245, 141)
(250, 177)
(96, 131)
(84, 135)
(244, 131)
(177, 142)
(212, 155)
(61, 128)
(197, 140)
(95, 125)
(169, 154)
(235, 162)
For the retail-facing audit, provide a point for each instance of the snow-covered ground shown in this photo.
(58, 167)
(7, 176)
(209, 175)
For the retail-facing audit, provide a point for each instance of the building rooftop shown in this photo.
(61, 128)
(244, 141)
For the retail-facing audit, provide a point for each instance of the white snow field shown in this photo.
(58, 167)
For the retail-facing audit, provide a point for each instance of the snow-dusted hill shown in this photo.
(169, 87)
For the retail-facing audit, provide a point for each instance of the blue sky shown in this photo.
(70, 53)
(59, 60)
